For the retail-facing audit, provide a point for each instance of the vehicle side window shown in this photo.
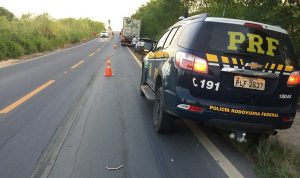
(186, 38)
(162, 40)
(170, 37)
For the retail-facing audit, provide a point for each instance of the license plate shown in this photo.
(250, 83)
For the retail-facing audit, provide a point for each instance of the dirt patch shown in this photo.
(8, 62)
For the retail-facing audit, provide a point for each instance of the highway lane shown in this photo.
(115, 129)
(26, 130)
(84, 122)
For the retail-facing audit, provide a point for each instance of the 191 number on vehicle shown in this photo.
(207, 84)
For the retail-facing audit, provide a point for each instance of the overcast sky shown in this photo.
(99, 10)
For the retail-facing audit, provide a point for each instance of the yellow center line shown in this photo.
(26, 97)
(78, 64)
(92, 54)
(223, 162)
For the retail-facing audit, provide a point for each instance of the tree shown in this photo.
(284, 13)
(158, 15)
(4, 12)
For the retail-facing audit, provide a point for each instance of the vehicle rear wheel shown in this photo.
(162, 121)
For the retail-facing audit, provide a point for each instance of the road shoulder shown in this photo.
(290, 137)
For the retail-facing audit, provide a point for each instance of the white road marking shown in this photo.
(136, 59)
(223, 162)
(57, 51)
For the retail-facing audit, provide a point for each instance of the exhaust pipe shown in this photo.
(232, 136)
(239, 136)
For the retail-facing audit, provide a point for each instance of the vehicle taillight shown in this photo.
(287, 119)
(294, 79)
(191, 62)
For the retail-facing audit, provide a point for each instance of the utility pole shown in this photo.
(109, 27)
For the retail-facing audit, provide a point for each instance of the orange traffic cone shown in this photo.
(107, 62)
(108, 71)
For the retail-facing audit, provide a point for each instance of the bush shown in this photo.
(30, 34)
(14, 50)
(28, 45)
(2, 50)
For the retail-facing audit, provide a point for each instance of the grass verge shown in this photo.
(271, 158)
(36, 34)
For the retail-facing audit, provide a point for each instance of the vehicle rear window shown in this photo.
(238, 40)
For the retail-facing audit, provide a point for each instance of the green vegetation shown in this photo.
(157, 16)
(4, 12)
(271, 158)
(285, 13)
(31, 34)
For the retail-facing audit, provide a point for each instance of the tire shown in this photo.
(162, 121)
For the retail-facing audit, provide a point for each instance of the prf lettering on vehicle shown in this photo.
(254, 41)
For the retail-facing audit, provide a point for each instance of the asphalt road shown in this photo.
(60, 117)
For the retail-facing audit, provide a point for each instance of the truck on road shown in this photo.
(131, 28)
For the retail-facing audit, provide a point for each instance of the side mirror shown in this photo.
(154, 45)
(148, 46)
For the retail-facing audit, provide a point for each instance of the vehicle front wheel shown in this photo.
(162, 121)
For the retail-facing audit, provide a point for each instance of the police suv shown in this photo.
(232, 74)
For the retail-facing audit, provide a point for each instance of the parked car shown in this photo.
(143, 46)
(233, 74)
(104, 35)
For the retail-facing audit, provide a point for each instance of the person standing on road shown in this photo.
(133, 42)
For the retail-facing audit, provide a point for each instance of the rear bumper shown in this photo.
(229, 116)
(126, 41)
